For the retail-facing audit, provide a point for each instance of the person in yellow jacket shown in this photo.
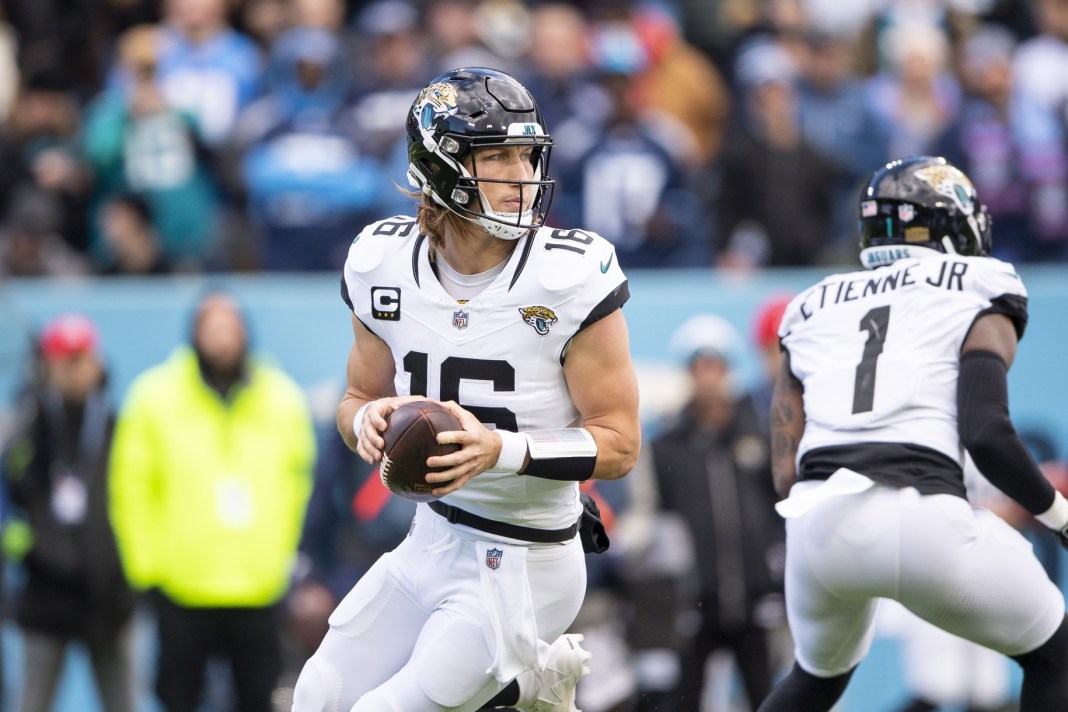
(211, 469)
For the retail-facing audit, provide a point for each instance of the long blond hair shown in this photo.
(434, 220)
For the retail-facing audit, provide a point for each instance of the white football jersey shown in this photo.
(878, 352)
(499, 355)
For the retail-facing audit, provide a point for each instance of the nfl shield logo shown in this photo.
(905, 212)
(459, 319)
(493, 558)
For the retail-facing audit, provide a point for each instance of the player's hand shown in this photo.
(479, 449)
(369, 431)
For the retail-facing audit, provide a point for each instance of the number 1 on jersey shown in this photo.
(875, 322)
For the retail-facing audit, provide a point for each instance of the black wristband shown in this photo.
(565, 469)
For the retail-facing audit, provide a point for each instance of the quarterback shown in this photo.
(517, 329)
(887, 377)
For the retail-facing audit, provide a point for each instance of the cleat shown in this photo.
(557, 682)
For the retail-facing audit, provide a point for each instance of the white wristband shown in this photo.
(513, 452)
(358, 420)
(1056, 517)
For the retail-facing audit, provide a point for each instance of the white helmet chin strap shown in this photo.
(506, 226)
(512, 227)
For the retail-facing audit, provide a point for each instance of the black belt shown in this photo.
(513, 531)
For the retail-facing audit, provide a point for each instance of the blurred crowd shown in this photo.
(154, 136)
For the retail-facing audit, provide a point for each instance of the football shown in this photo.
(411, 437)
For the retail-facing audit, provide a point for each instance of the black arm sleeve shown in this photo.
(988, 433)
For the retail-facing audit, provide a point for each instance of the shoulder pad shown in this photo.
(995, 278)
(376, 239)
(574, 256)
(998, 283)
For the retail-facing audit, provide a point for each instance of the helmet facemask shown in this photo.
(472, 202)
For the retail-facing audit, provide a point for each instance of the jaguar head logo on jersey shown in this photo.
(540, 318)
(493, 558)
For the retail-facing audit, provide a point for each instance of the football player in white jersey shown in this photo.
(887, 377)
(517, 328)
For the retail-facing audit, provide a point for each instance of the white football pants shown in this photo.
(962, 569)
(420, 632)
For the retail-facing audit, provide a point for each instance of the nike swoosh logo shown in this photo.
(606, 265)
